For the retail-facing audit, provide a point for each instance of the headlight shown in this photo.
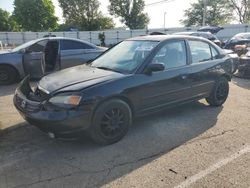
(68, 101)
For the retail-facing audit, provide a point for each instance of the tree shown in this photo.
(218, 13)
(85, 15)
(6, 22)
(242, 10)
(130, 12)
(102, 37)
(35, 15)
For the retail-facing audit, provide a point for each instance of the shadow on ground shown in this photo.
(242, 82)
(28, 158)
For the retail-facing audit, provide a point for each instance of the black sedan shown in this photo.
(238, 39)
(136, 77)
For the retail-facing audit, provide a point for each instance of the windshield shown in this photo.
(25, 45)
(125, 57)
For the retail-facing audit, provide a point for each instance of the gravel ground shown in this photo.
(190, 146)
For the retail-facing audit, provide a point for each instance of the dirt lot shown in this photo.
(190, 146)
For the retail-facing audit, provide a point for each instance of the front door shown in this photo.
(33, 60)
(170, 86)
(34, 64)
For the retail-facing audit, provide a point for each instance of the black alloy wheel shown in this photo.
(111, 122)
(220, 92)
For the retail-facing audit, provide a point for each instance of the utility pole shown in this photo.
(165, 13)
(204, 13)
(131, 5)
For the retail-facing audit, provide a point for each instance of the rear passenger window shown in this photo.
(200, 51)
(172, 54)
(73, 45)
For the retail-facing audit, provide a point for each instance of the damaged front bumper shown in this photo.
(62, 123)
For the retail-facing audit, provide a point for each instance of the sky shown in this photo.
(173, 11)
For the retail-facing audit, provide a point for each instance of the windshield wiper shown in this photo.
(109, 69)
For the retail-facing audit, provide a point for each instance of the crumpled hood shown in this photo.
(75, 78)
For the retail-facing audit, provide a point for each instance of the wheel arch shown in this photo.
(119, 97)
(227, 76)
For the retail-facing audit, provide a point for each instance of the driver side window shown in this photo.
(38, 47)
(172, 54)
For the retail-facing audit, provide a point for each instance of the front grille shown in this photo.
(26, 105)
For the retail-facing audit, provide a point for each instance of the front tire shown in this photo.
(110, 122)
(220, 92)
(8, 75)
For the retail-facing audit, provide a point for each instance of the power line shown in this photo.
(159, 2)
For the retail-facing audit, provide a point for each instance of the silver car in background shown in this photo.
(43, 56)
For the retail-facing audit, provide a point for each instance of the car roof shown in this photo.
(193, 32)
(63, 38)
(160, 38)
(242, 35)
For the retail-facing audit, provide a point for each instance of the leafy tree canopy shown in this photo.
(130, 12)
(35, 15)
(218, 13)
(242, 10)
(85, 15)
(7, 22)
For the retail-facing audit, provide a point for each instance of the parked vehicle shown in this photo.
(211, 29)
(51, 54)
(206, 35)
(244, 65)
(238, 39)
(138, 76)
(235, 59)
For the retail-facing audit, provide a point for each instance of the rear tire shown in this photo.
(8, 75)
(110, 122)
(220, 92)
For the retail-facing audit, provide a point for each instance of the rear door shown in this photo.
(33, 60)
(74, 53)
(205, 63)
(170, 86)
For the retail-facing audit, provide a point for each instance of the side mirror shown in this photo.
(23, 51)
(155, 67)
